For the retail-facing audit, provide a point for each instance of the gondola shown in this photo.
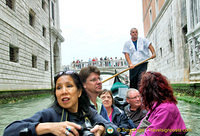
(118, 86)
(119, 92)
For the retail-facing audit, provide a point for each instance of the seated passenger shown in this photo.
(134, 109)
(68, 115)
(90, 77)
(163, 117)
(116, 115)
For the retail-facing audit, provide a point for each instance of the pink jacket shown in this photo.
(164, 120)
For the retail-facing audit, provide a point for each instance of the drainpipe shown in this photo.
(51, 69)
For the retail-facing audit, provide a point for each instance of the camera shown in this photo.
(85, 130)
(25, 132)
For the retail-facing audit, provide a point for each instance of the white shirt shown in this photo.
(142, 52)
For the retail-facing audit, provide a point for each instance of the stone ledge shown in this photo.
(18, 93)
(192, 89)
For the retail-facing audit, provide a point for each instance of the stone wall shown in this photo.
(16, 31)
(176, 43)
(193, 36)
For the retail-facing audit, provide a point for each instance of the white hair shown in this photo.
(131, 90)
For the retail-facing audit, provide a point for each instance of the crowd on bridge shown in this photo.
(99, 62)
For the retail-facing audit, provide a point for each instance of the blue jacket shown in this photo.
(50, 115)
(120, 119)
(103, 112)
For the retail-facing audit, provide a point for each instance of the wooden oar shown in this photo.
(124, 70)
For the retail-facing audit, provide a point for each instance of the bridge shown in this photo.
(107, 67)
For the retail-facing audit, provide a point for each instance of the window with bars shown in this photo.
(184, 32)
(43, 31)
(14, 53)
(43, 4)
(34, 61)
(31, 18)
(52, 11)
(161, 52)
(46, 65)
(170, 45)
(10, 3)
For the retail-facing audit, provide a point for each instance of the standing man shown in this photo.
(134, 110)
(91, 80)
(135, 51)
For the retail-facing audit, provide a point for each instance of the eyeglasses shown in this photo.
(104, 97)
(96, 79)
(134, 97)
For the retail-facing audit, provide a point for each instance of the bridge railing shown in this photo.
(102, 63)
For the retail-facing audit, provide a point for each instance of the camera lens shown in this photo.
(86, 132)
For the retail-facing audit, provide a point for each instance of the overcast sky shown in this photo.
(97, 28)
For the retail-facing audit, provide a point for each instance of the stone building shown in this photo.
(30, 44)
(173, 26)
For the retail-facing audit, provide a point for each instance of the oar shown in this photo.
(124, 70)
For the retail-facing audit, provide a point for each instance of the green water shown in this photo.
(21, 110)
(191, 116)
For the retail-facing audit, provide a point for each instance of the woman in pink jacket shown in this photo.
(163, 117)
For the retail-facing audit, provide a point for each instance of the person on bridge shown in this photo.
(163, 117)
(69, 115)
(116, 115)
(90, 77)
(135, 51)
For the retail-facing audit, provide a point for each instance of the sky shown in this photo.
(97, 28)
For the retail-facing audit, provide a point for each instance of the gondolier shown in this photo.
(135, 51)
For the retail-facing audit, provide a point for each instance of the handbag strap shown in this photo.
(66, 116)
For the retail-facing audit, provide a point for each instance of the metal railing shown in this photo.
(102, 63)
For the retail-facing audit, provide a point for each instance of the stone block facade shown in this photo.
(175, 41)
(30, 43)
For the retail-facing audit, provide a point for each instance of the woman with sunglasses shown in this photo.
(163, 117)
(70, 113)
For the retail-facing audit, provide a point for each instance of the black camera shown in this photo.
(25, 132)
(85, 130)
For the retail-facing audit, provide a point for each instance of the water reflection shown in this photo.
(18, 111)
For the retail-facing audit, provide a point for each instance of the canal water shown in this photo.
(21, 110)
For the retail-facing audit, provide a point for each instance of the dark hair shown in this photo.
(104, 91)
(83, 100)
(86, 71)
(155, 87)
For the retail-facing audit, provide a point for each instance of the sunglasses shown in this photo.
(65, 72)
(58, 74)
